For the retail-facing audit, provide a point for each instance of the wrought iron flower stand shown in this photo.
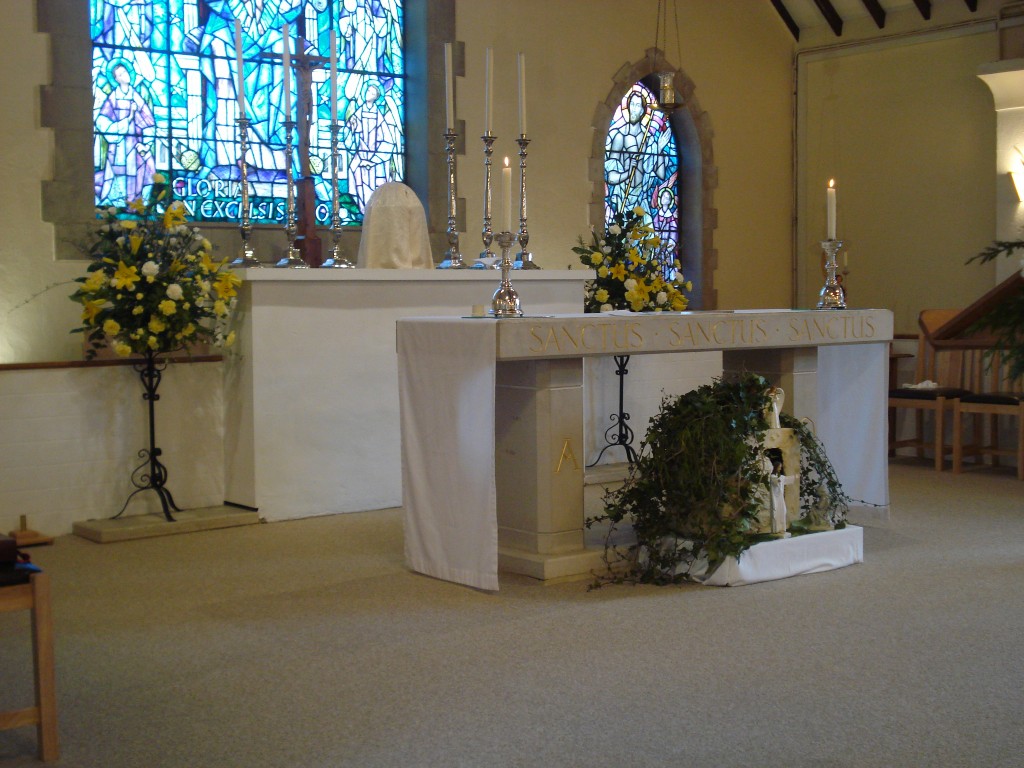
(151, 474)
(619, 434)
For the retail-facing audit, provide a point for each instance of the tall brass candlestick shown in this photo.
(337, 259)
(487, 233)
(246, 257)
(294, 259)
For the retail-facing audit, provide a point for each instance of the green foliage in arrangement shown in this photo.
(693, 494)
(1006, 320)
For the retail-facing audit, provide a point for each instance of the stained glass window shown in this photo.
(641, 165)
(165, 100)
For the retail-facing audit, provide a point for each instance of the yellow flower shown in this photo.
(122, 349)
(230, 339)
(138, 310)
(111, 327)
(679, 302)
(137, 205)
(174, 215)
(220, 308)
(125, 276)
(596, 257)
(602, 271)
(168, 307)
(129, 224)
(618, 271)
(188, 330)
(95, 281)
(90, 309)
(153, 342)
(136, 242)
(206, 263)
(156, 325)
(601, 295)
(226, 284)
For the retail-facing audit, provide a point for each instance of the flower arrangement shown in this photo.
(630, 273)
(152, 286)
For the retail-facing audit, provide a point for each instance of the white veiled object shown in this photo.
(394, 230)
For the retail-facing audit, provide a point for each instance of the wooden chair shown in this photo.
(33, 594)
(955, 371)
(997, 399)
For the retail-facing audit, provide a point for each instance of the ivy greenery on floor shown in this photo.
(694, 494)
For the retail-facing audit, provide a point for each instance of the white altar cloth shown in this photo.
(447, 414)
(780, 559)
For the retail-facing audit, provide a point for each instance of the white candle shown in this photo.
(286, 61)
(522, 93)
(334, 78)
(240, 82)
(830, 198)
(506, 188)
(488, 90)
(449, 90)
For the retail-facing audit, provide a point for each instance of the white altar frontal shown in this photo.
(492, 420)
(311, 390)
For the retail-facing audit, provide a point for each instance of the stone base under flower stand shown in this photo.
(146, 526)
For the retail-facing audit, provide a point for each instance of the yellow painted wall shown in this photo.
(737, 53)
(908, 131)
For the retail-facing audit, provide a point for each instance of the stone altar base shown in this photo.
(146, 526)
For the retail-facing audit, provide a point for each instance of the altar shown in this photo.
(492, 425)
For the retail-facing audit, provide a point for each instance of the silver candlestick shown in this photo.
(487, 233)
(831, 296)
(524, 256)
(246, 257)
(506, 301)
(337, 259)
(294, 258)
(453, 256)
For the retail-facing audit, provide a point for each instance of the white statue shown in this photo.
(778, 482)
(777, 398)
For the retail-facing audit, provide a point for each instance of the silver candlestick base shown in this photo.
(506, 301)
(337, 259)
(831, 296)
(293, 260)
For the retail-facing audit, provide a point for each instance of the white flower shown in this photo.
(606, 307)
(150, 269)
(629, 284)
(112, 211)
(661, 298)
(174, 292)
(615, 229)
(608, 249)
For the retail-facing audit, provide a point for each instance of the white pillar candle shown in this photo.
(522, 93)
(286, 62)
(488, 90)
(449, 90)
(506, 188)
(830, 199)
(334, 78)
(240, 77)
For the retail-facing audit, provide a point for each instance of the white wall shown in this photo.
(70, 437)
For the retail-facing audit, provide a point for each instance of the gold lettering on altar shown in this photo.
(696, 333)
(567, 454)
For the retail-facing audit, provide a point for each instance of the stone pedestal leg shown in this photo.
(539, 457)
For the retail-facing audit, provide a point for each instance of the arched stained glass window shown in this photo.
(641, 165)
(165, 100)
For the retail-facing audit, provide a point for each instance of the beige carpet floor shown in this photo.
(309, 644)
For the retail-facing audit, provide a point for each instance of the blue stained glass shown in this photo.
(165, 100)
(641, 165)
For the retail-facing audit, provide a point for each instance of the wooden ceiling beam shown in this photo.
(787, 19)
(877, 12)
(925, 7)
(831, 16)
